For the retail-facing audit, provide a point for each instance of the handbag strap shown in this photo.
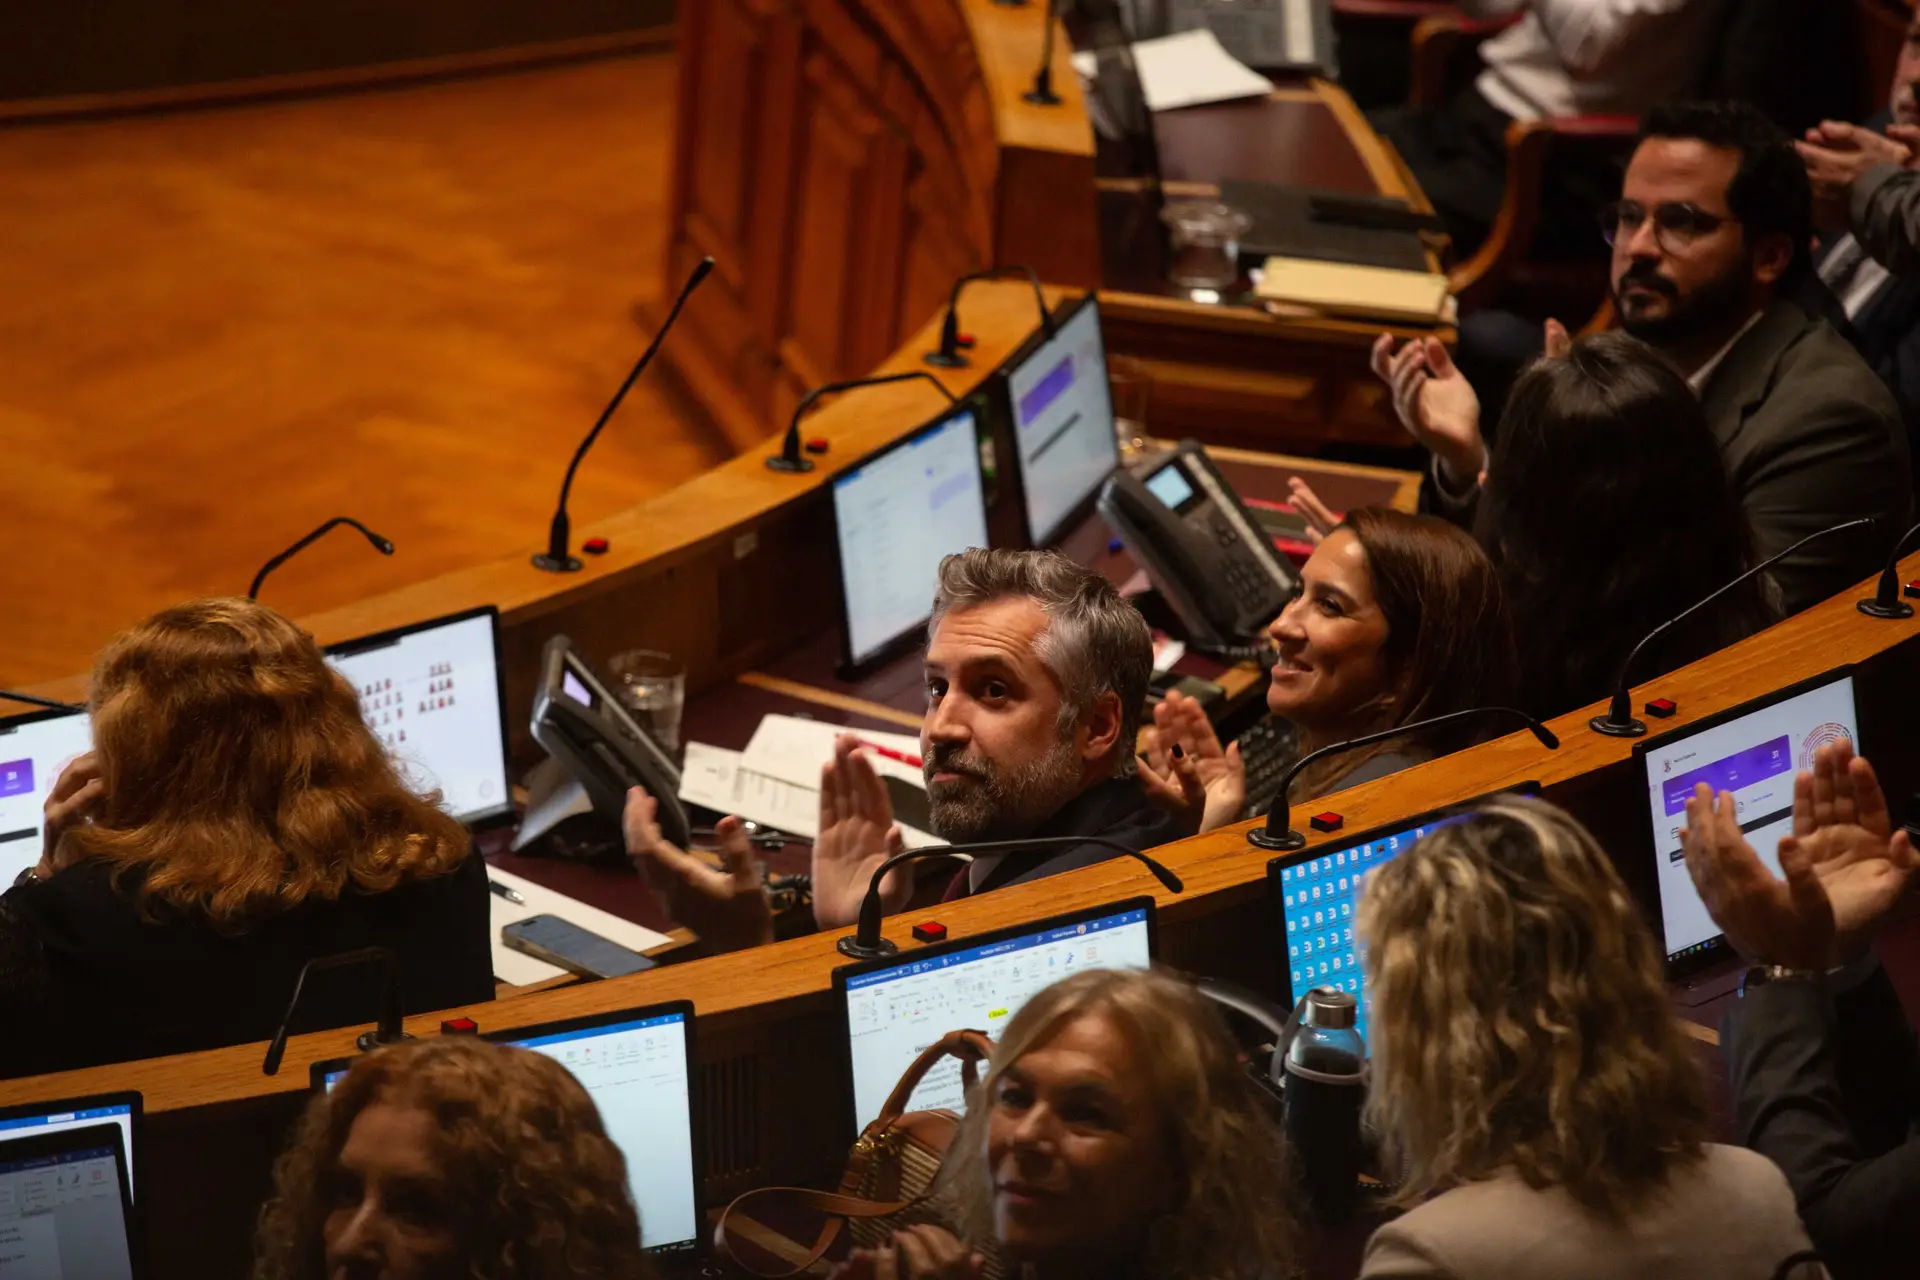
(838, 1207)
(971, 1047)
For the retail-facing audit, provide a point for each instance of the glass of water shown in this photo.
(1205, 253)
(653, 688)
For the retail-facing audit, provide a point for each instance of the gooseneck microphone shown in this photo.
(392, 1010)
(380, 544)
(1042, 94)
(557, 558)
(950, 356)
(1619, 721)
(866, 942)
(789, 458)
(1885, 601)
(1279, 834)
(35, 700)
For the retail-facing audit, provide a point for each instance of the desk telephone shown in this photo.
(1211, 560)
(585, 729)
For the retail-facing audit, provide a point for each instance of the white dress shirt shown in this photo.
(1596, 57)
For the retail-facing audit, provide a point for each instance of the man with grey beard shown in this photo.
(1036, 673)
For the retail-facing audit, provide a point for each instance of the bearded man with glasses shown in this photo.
(1711, 267)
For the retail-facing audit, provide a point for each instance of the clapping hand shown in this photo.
(923, 1252)
(1790, 922)
(1435, 403)
(1836, 154)
(726, 905)
(1319, 517)
(857, 834)
(1184, 768)
(1841, 822)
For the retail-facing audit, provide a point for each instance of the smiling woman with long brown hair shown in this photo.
(235, 819)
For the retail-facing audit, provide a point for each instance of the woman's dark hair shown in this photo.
(1449, 642)
(1607, 511)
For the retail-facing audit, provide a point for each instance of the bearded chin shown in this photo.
(1714, 305)
(1005, 807)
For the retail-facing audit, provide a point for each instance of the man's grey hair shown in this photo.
(1095, 641)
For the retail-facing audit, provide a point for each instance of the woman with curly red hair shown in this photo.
(451, 1159)
(235, 819)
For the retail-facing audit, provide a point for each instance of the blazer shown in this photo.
(1115, 809)
(1886, 333)
(1810, 437)
(1885, 213)
(86, 977)
(1826, 1083)
(1728, 1218)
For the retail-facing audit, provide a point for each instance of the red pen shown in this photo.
(912, 762)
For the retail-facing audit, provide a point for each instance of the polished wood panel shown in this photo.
(222, 327)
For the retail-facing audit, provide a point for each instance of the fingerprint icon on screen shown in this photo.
(1821, 736)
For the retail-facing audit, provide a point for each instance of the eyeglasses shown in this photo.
(1675, 225)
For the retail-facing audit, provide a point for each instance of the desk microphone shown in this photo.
(1886, 601)
(1619, 721)
(866, 942)
(388, 1031)
(789, 459)
(34, 700)
(950, 356)
(1042, 94)
(1279, 834)
(380, 544)
(556, 558)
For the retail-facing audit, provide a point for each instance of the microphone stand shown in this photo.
(1042, 94)
(1279, 834)
(380, 544)
(789, 458)
(950, 355)
(556, 558)
(389, 1030)
(1886, 601)
(34, 700)
(1619, 721)
(866, 942)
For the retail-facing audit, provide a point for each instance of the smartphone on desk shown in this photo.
(565, 944)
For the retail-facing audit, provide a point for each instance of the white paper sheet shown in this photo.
(1186, 70)
(520, 969)
(720, 779)
(792, 750)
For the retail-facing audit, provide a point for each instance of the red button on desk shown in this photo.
(817, 444)
(931, 931)
(1328, 821)
(459, 1027)
(1662, 707)
(594, 546)
(1913, 589)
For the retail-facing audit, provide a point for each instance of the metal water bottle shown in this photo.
(1325, 1065)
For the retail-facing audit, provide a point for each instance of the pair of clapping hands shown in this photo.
(1837, 153)
(1845, 867)
(726, 904)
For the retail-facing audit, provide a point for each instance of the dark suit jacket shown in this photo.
(1827, 1086)
(1810, 437)
(1116, 809)
(1886, 333)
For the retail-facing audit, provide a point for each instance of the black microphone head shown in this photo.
(1547, 737)
(385, 545)
(1164, 874)
(270, 1066)
(700, 271)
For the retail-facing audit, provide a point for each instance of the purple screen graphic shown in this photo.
(1741, 769)
(16, 777)
(1046, 391)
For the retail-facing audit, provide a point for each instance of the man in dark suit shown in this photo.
(1709, 250)
(1824, 1067)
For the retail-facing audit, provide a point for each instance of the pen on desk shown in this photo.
(912, 762)
(511, 895)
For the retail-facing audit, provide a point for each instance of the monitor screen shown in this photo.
(895, 516)
(37, 1119)
(64, 1214)
(894, 1010)
(1753, 752)
(1063, 422)
(431, 693)
(637, 1068)
(33, 750)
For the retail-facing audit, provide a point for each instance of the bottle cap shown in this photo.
(1329, 1007)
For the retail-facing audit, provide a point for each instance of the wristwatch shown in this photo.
(1761, 974)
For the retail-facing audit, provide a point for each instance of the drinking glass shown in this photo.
(653, 687)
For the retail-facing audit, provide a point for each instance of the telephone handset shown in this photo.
(585, 728)
(1211, 560)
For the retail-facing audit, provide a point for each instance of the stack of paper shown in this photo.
(1340, 288)
(1186, 70)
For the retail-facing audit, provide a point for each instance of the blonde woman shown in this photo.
(1115, 1134)
(1529, 1076)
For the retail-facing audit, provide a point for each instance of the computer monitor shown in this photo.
(1317, 891)
(434, 694)
(893, 1009)
(33, 1119)
(895, 515)
(65, 1212)
(34, 748)
(1752, 750)
(1061, 410)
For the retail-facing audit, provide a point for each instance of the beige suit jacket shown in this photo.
(1731, 1217)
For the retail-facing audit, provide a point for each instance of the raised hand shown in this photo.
(1788, 922)
(857, 833)
(1181, 721)
(1835, 154)
(1843, 827)
(1435, 403)
(1319, 517)
(1167, 776)
(76, 793)
(727, 905)
(1557, 340)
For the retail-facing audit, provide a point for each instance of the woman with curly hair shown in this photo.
(235, 819)
(1115, 1133)
(1531, 1080)
(451, 1159)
